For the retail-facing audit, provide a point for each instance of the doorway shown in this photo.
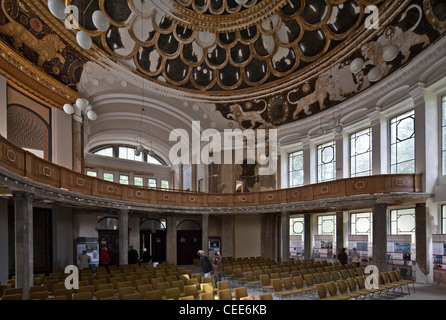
(153, 238)
(108, 236)
(189, 241)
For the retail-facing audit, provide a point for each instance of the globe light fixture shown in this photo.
(92, 115)
(82, 104)
(68, 108)
(241, 2)
(356, 65)
(100, 20)
(375, 74)
(391, 52)
(57, 8)
(84, 40)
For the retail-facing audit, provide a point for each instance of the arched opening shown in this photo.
(108, 233)
(153, 238)
(189, 241)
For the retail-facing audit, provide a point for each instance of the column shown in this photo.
(340, 239)
(379, 252)
(123, 236)
(342, 157)
(171, 239)
(285, 237)
(379, 143)
(23, 213)
(308, 237)
(205, 232)
(62, 237)
(4, 243)
(422, 234)
(78, 144)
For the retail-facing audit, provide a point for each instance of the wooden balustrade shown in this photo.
(28, 165)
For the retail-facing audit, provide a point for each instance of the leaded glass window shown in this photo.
(402, 221)
(402, 143)
(326, 225)
(296, 169)
(361, 153)
(326, 161)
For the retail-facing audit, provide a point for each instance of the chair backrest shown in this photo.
(224, 294)
(332, 289)
(124, 291)
(266, 296)
(187, 298)
(191, 290)
(335, 275)
(240, 292)
(123, 284)
(321, 289)
(57, 298)
(385, 277)
(101, 294)
(38, 288)
(298, 282)
(64, 292)
(38, 295)
(351, 272)
(327, 276)
(172, 293)
(133, 296)
(178, 284)
(206, 280)
(144, 288)
(277, 285)
(9, 291)
(207, 287)
(105, 286)
(265, 280)
(206, 296)
(351, 284)
(344, 274)
(222, 285)
(16, 296)
(309, 279)
(83, 296)
(287, 283)
(153, 295)
(392, 276)
(140, 282)
(318, 278)
(342, 284)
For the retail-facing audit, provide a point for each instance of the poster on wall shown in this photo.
(214, 246)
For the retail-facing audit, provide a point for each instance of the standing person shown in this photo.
(216, 268)
(84, 260)
(205, 263)
(104, 258)
(133, 256)
(356, 257)
(112, 254)
(343, 257)
(145, 257)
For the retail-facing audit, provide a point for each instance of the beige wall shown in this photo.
(247, 232)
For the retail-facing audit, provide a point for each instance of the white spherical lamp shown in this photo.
(356, 65)
(320, 131)
(241, 2)
(375, 74)
(140, 148)
(100, 20)
(84, 40)
(68, 108)
(339, 128)
(82, 104)
(92, 115)
(151, 153)
(391, 52)
(137, 152)
(332, 123)
(57, 8)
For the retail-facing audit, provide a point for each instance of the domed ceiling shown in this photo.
(281, 59)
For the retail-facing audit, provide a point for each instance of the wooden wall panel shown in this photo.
(74, 181)
(12, 157)
(41, 170)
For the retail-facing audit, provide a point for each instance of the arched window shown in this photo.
(106, 152)
(108, 223)
(189, 225)
(153, 224)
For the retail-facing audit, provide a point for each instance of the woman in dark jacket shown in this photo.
(343, 257)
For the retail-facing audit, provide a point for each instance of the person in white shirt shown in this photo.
(356, 257)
